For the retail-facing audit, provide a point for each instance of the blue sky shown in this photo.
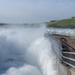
(31, 11)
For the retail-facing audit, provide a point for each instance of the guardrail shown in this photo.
(68, 51)
(68, 58)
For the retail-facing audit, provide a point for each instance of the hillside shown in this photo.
(62, 23)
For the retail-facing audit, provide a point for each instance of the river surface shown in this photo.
(26, 51)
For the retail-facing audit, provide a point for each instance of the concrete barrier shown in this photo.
(68, 53)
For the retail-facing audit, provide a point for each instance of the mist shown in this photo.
(25, 51)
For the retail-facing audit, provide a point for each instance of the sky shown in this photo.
(34, 11)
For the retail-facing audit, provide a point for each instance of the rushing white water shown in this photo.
(25, 51)
(62, 31)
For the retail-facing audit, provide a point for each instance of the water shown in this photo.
(62, 31)
(25, 51)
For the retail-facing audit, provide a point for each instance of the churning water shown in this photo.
(25, 51)
(62, 31)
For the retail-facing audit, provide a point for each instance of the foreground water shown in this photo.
(25, 51)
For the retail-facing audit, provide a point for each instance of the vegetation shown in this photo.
(62, 23)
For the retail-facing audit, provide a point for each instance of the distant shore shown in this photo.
(65, 23)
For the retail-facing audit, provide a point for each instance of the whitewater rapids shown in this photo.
(25, 51)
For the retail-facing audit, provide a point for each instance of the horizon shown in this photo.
(31, 11)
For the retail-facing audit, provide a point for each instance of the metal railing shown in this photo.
(68, 58)
(68, 54)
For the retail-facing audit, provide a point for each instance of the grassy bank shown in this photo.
(62, 23)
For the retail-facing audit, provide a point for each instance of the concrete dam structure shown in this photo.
(68, 52)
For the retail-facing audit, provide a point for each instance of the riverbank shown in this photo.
(70, 22)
